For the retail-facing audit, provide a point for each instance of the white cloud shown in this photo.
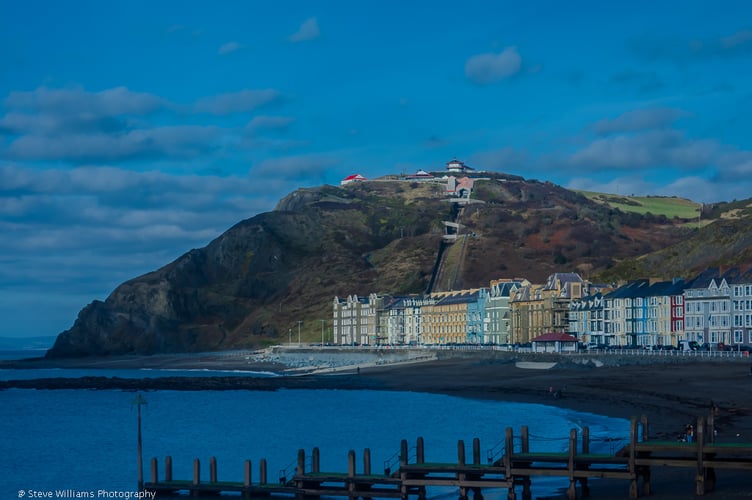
(309, 30)
(305, 167)
(640, 119)
(172, 141)
(229, 48)
(265, 122)
(485, 69)
(110, 102)
(651, 149)
(237, 102)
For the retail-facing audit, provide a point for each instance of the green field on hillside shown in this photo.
(656, 205)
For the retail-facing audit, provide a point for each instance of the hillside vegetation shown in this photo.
(657, 205)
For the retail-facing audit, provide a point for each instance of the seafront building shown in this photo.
(355, 320)
(714, 308)
(499, 311)
(539, 309)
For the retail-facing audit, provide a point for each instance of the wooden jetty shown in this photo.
(511, 465)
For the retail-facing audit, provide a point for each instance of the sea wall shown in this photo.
(306, 357)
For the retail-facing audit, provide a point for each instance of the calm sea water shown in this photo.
(85, 440)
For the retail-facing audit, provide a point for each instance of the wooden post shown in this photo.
(585, 440)
(584, 486)
(316, 460)
(168, 468)
(299, 472)
(247, 473)
(367, 461)
(507, 461)
(710, 438)
(301, 463)
(247, 478)
(154, 474)
(477, 493)
(420, 451)
(262, 471)
(572, 490)
(700, 443)
(403, 474)
(213, 469)
(525, 448)
(644, 470)
(351, 463)
(196, 476)
(461, 462)
(632, 455)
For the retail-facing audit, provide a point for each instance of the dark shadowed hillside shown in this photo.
(252, 285)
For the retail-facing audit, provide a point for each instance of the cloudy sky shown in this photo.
(131, 132)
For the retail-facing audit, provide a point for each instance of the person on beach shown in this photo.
(690, 433)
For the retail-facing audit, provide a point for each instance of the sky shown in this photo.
(132, 132)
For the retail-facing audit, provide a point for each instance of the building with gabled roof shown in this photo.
(741, 307)
(457, 166)
(460, 187)
(554, 342)
(537, 309)
(586, 319)
(446, 320)
(645, 313)
(404, 319)
(356, 320)
(420, 175)
(498, 310)
(708, 307)
(352, 178)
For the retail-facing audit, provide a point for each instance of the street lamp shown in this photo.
(138, 401)
(299, 322)
(322, 332)
(289, 336)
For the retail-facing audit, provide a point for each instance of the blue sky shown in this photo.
(131, 132)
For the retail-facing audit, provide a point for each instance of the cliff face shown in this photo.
(255, 282)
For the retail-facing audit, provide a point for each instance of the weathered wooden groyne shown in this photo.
(512, 464)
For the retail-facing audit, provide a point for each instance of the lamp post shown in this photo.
(289, 336)
(299, 322)
(138, 401)
(322, 333)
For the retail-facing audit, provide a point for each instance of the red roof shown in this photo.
(354, 177)
(554, 337)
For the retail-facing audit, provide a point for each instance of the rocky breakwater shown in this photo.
(307, 359)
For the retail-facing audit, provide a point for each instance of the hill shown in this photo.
(278, 271)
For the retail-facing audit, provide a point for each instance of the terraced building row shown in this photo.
(714, 308)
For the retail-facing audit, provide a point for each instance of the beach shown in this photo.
(670, 392)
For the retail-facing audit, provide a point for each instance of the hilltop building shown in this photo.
(456, 166)
(461, 187)
(420, 175)
(352, 178)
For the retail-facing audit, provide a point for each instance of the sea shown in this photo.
(83, 443)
